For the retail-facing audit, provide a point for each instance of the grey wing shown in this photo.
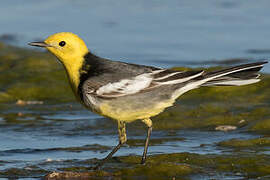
(128, 81)
(132, 79)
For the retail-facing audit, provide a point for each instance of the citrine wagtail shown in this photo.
(127, 92)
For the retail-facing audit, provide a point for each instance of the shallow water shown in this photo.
(42, 138)
(160, 33)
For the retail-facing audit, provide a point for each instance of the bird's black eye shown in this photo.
(62, 43)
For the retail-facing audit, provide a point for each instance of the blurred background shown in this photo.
(150, 32)
(210, 133)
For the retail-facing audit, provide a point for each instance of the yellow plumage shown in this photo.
(122, 113)
(71, 55)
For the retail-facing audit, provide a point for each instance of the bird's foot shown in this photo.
(143, 161)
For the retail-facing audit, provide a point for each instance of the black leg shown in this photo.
(122, 140)
(115, 149)
(146, 145)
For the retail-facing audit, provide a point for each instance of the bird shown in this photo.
(126, 92)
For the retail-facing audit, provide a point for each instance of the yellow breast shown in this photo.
(128, 113)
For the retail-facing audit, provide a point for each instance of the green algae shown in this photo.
(208, 107)
(31, 75)
(75, 169)
(184, 166)
(156, 171)
(164, 166)
(78, 175)
(24, 172)
(248, 165)
(132, 169)
(206, 116)
(262, 126)
(246, 143)
(250, 94)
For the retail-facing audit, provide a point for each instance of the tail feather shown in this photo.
(234, 76)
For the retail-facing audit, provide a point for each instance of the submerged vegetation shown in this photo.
(177, 165)
(36, 77)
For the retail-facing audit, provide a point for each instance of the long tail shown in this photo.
(234, 76)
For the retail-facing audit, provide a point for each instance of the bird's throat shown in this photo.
(73, 72)
(79, 70)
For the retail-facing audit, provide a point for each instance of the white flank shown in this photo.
(93, 101)
(126, 86)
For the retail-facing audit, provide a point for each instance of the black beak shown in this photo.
(39, 44)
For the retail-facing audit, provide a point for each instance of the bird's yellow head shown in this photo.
(66, 46)
(70, 50)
